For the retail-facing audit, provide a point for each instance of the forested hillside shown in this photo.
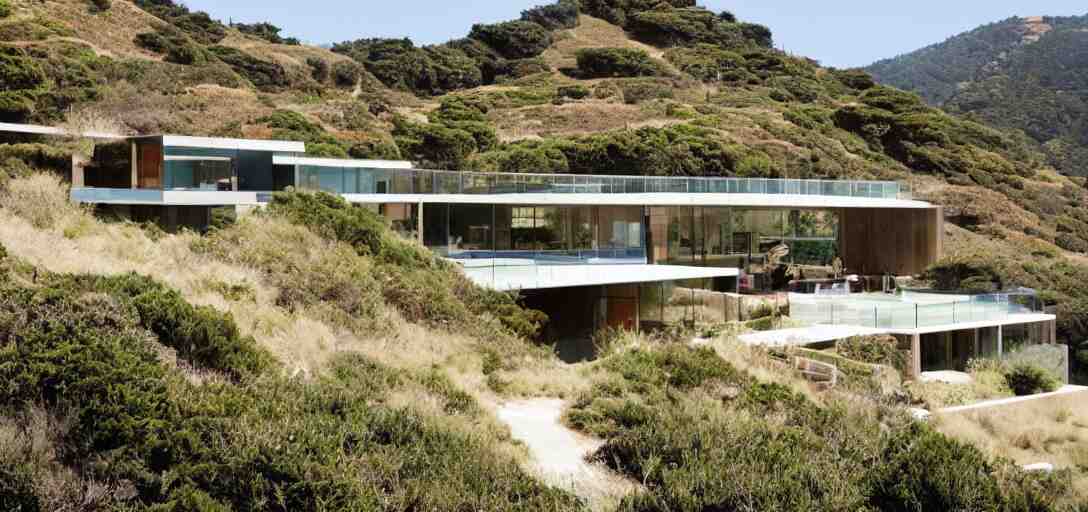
(1026, 74)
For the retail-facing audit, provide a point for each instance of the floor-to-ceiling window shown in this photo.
(772, 245)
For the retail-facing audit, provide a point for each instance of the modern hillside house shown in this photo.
(590, 250)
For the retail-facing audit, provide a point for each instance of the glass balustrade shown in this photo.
(417, 181)
(913, 311)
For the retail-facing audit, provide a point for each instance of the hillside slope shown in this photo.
(678, 90)
(1028, 74)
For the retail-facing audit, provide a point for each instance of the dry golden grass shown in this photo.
(593, 33)
(1052, 430)
(109, 33)
(988, 206)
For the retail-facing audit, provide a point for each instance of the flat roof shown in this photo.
(181, 141)
(340, 163)
(1012, 319)
(646, 199)
(542, 277)
(35, 129)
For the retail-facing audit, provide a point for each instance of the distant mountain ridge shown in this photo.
(1022, 73)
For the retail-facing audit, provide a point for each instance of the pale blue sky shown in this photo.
(839, 33)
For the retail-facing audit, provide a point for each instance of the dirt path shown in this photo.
(558, 453)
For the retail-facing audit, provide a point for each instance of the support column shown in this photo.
(1053, 332)
(916, 356)
(419, 224)
(135, 166)
(1000, 343)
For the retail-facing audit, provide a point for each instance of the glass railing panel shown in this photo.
(424, 181)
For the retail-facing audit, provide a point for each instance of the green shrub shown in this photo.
(334, 218)
(152, 41)
(19, 70)
(17, 483)
(617, 62)
(375, 150)
(399, 64)
(855, 79)
(266, 31)
(319, 68)
(1026, 379)
(619, 11)
(574, 92)
(266, 76)
(291, 125)
(197, 25)
(5, 8)
(346, 74)
(513, 39)
(434, 145)
(639, 91)
(694, 25)
(560, 15)
(923, 470)
(102, 5)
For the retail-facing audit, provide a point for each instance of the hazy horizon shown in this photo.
(874, 30)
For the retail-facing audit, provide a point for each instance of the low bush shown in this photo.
(319, 68)
(266, 76)
(198, 25)
(1027, 379)
(266, 31)
(435, 145)
(399, 64)
(694, 25)
(639, 91)
(574, 92)
(102, 5)
(291, 125)
(560, 15)
(5, 8)
(617, 62)
(923, 470)
(513, 39)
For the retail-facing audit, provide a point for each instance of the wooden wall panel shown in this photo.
(149, 166)
(900, 241)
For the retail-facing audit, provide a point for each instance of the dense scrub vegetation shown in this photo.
(99, 415)
(266, 31)
(617, 62)
(703, 435)
(198, 25)
(490, 53)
